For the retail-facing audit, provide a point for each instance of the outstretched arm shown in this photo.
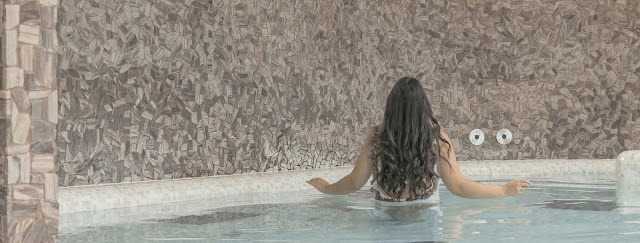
(353, 181)
(459, 186)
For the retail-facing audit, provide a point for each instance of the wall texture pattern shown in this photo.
(169, 89)
(28, 117)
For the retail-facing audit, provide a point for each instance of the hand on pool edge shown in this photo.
(515, 187)
(319, 184)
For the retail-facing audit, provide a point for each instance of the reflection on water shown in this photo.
(445, 220)
(225, 214)
(580, 204)
(410, 214)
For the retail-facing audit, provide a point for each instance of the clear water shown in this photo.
(583, 210)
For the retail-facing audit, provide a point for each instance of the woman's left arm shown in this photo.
(353, 181)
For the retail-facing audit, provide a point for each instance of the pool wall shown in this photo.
(165, 90)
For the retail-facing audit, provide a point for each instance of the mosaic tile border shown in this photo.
(110, 196)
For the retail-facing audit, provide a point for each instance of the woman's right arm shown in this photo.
(459, 186)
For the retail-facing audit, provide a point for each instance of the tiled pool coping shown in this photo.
(110, 196)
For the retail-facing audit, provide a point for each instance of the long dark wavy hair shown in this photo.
(407, 140)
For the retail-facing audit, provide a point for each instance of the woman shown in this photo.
(404, 153)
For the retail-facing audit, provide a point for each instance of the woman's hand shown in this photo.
(515, 187)
(319, 184)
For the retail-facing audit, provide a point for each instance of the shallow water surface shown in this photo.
(551, 210)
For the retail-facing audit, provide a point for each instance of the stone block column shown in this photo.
(28, 118)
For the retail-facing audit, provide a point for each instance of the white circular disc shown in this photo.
(504, 136)
(476, 137)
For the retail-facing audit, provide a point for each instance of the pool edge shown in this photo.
(119, 195)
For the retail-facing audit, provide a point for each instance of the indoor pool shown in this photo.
(563, 209)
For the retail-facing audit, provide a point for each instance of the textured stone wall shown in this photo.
(170, 89)
(28, 117)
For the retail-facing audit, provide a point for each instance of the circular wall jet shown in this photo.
(504, 136)
(476, 137)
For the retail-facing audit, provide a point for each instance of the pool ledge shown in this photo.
(119, 195)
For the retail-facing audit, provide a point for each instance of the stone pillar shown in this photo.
(628, 181)
(28, 117)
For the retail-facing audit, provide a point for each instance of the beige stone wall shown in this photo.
(28, 117)
(159, 90)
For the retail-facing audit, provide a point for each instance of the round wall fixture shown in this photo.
(476, 137)
(504, 136)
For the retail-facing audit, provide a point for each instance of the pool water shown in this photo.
(563, 210)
